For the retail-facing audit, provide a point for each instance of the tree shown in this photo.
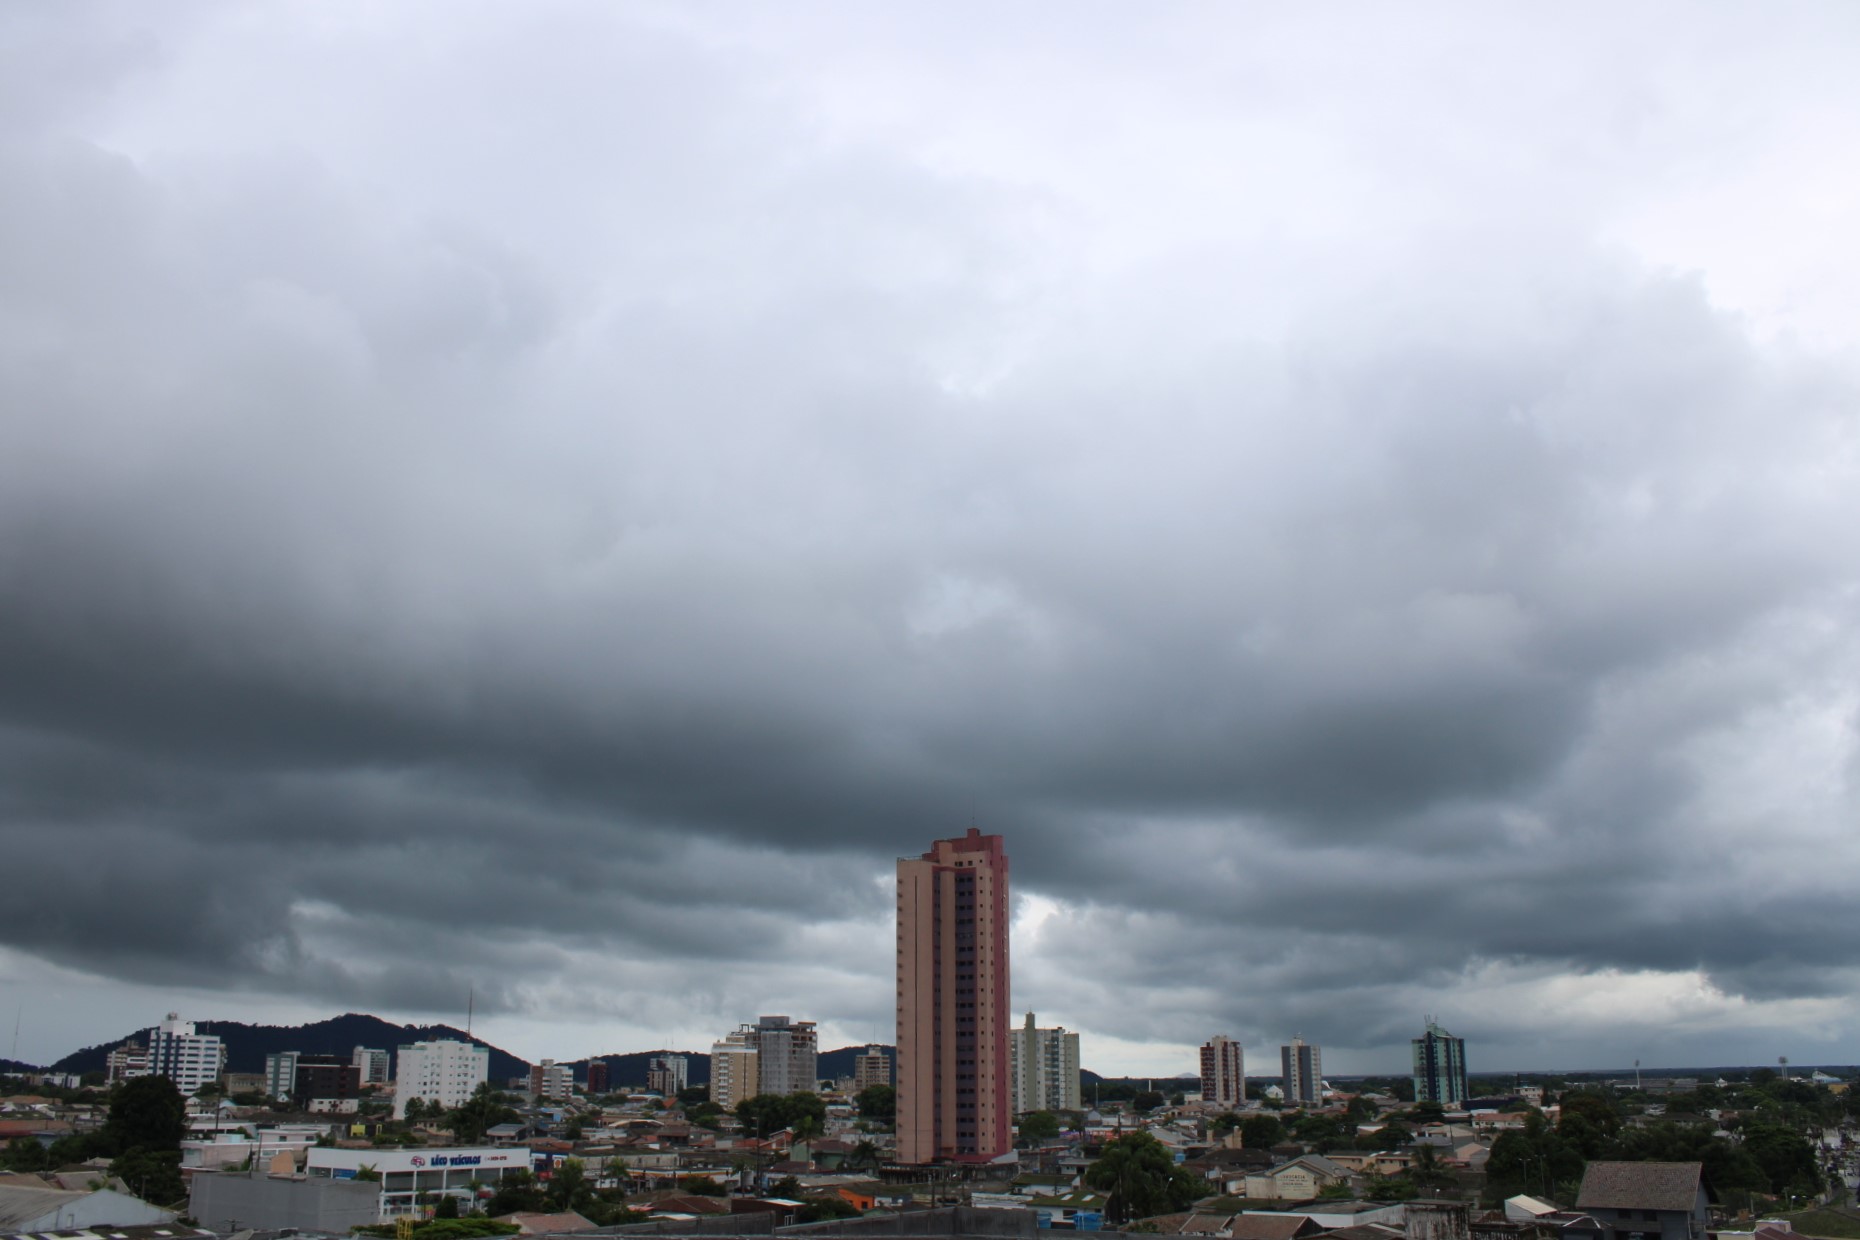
(485, 1109)
(154, 1175)
(1223, 1123)
(1428, 1171)
(1261, 1132)
(702, 1186)
(146, 1113)
(1146, 1101)
(368, 1173)
(826, 1208)
(878, 1102)
(1142, 1178)
(1785, 1157)
(446, 1207)
(1359, 1110)
(24, 1153)
(865, 1157)
(518, 1192)
(1427, 1112)
(768, 1113)
(1321, 1132)
(1038, 1126)
(568, 1187)
(692, 1094)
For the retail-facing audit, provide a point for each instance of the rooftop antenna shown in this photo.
(1782, 1061)
(471, 1000)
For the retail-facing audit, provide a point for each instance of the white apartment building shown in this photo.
(443, 1071)
(187, 1058)
(734, 1071)
(667, 1074)
(371, 1066)
(1043, 1069)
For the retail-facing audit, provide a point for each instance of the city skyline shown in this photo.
(1363, 507)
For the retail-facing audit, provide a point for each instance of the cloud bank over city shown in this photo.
(549, 501)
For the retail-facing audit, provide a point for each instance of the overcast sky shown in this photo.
(555, 497)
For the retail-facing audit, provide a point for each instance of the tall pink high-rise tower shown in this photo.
(953, 1099)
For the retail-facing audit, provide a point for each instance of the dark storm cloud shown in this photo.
(599, 525)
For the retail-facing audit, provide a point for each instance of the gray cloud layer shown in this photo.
(594, 490)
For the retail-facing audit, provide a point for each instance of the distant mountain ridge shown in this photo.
(248, 1045)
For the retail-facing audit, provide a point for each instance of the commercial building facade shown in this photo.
(1043, 1067)
(1439, 1066)
(406, 1175)
(1301, 1073)
(1223, 1071)
(444, 1071)
(954, 1095)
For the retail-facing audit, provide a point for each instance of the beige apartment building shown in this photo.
(954, 1097)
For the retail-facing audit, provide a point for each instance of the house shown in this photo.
(1301, 1179)
(1523, 1209)
(1644, 1200)
(1080, 1211)
(546, 1224)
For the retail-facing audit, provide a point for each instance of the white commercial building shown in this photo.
(1043, 1069)
(408, 1174)
(187, 1058)
(445, 1071)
